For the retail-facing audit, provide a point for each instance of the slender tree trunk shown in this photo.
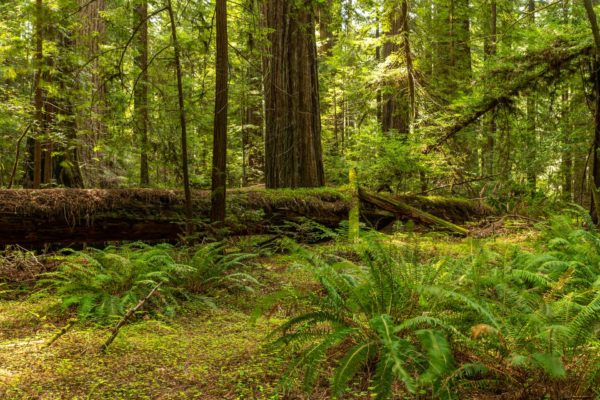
(141, 118)
(293, 124)
(182, 121)
(39, 95)
(488, 151)
(410, 71)
(219, 172)
(567, 153)
(378, 95)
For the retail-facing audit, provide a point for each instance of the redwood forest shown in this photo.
(299, 199)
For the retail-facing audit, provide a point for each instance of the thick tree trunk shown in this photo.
(90, 122)
(293, 124)
(219, 172)
(141, 89)
(395, 104)
(252, 110)
(589, 8)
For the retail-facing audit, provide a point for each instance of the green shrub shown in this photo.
(369, 316)
(450, 327)
(211, 268)
(101, 284)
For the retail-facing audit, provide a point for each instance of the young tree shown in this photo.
(293, 123)
(219, 172)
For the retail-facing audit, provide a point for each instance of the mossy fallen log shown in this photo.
(400, 208)
(66, 217)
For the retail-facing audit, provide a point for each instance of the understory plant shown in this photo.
(102, 284)
(521, 322)
(368, 318)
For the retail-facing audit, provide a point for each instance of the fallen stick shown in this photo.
(61, 332)
(126, 317)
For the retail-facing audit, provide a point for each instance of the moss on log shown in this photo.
(65, 217)
(400, 208)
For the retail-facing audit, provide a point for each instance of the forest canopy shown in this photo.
(473, 98)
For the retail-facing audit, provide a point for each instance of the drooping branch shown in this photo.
(502, 84)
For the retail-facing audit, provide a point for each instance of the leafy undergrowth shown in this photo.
(212, 344)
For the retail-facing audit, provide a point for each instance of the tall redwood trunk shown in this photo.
(595, 64)
(39, 95)
(141, 89)
(90, 122)
(531, 143)
(219, 172)
(395, 112)
(293, 124)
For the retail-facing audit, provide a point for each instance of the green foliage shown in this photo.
(211, 268)
(101, 284)
(369, 316)
(445, 326)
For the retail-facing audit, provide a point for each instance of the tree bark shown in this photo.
(219, 172)
(293, 123)
(90, 121)
(140, 106)
(39, 95)
(531, 138)
(395, 113)
(182, 120)
(589, 8)
(487, 166)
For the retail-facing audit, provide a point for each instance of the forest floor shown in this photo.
(202, 353)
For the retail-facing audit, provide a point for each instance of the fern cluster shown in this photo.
(102, 284)
(444, 328)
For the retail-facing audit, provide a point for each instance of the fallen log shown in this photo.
(400, 208)
(63, 217)
(67, 217)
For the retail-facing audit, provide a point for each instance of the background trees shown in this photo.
(89, 95)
